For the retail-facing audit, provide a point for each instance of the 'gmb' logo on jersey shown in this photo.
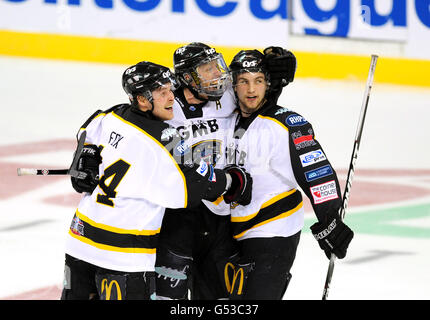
(197, 129)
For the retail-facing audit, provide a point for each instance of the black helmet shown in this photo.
(248, 61)
(189, 61)
(145, 77)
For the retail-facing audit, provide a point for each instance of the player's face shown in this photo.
(251, 90)
(210, 74)
(163, 99)
(209, 71)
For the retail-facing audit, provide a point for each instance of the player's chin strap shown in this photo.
(197, 95)
(148, 113)
(135, 102)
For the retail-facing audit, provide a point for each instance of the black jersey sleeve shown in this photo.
(311, 167)
(204, 182)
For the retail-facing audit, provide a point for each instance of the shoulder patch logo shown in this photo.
(281, 111)
(295, 120)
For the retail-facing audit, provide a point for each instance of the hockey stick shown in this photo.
(354, 156)
(71, 171)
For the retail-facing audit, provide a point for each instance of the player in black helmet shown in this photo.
(112, 241)
(196, 245)
(202, 71)
(143, 81)
(279, 148)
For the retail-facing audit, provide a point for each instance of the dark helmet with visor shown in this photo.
(202, 70)
(248, 61)
(145, 77)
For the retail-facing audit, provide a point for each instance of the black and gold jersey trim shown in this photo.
(111, 238)
(281, 206)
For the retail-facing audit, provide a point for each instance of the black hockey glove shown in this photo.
(89, 161)
(281, 65)
(240, 190)
(333, 237)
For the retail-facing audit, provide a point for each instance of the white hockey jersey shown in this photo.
(278, 148)
(116, 227)
(204, 130)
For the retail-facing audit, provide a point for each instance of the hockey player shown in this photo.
(279, 149)
(111, 244)
(195, 243)
(198, 243)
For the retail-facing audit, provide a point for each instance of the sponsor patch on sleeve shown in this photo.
(312, 157)
(203, 168)
(212, 176)
(295, 120)
(303, 141)
(324, 192)
(318, 173)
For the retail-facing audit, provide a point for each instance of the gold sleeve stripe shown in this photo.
(112, 248)
(116, 230)
(282, 215)
(264, 205)
(274, 120)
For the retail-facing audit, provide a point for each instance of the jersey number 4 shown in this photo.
(117, 171)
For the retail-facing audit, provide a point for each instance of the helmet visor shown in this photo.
(213, 76)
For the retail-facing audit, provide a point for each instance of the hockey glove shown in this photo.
(281, 65)
(89, 161)
(333, 237)
(240, 190)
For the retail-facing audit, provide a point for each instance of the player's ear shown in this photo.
(141, 99)
(143, 103)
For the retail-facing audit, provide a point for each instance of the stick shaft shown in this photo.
(48, 172)
(354, 156)
(41, 172)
